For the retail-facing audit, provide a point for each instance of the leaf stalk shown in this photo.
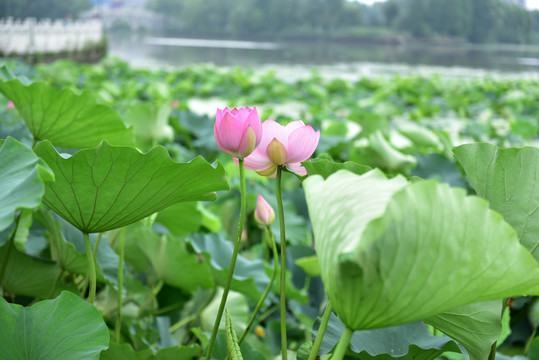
(278, 194)
(237, 244)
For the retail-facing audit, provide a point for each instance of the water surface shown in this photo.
(331, 58)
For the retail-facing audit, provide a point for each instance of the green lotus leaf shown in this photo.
(150, 123)
(508, 179)
(173, 263)
(109, 187)
(387, 258)
(310, 265)
(69, 251)
(236, 303)
(64, 328)
(420, 136)
(181, 219)
(65, 118)
(326, 167)
(475, 326)
(21, 180)
(249, 278)
(389, 157)
(408, 341)
(30, 276)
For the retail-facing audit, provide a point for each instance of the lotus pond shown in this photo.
(412, 232)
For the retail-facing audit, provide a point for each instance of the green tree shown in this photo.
(391, 10)
(450, 17)
(414, 18)
(513, 24)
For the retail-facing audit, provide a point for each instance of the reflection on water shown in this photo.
(376, 58)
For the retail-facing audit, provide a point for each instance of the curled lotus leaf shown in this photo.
(387, 258)
(108, 187)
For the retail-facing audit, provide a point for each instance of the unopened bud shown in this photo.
(264, 214)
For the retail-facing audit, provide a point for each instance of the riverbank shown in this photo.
(47, 40)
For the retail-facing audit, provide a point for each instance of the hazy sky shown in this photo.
(532, 4)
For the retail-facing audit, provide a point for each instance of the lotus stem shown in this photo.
(91, 268)
(321, 331)
(97, 242)
(283, 262)
(118, 327)
(343, 344)
(268, 288)
(237, 245)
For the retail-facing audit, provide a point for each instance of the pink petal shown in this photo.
(247, 142)
(290, 127)
(297, 168)
(257, 161)
(264, 213)
(254, 121)
(301, 143)
(230, 132)
(217, 139)
(272, 130)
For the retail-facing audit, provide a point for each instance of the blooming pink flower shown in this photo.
(283, 145)
(238, 131)
(264, 214)
(10, 104)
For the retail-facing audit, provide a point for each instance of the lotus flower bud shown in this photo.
(238, 131)
(264, 214)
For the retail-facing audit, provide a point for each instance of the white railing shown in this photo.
(29, 36)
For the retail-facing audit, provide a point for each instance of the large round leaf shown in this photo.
(21, 180)
(508, 179)
(109, 187)
(391, 256)
(65, 328)
(65, 118)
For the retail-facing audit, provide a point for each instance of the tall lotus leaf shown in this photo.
(392, 253)
(21, 180)
(64, 328)
(109, 187)
(150, 123)
(508, 179)
(475, 326)
(173, 262)
(65, 118)
(389, 157)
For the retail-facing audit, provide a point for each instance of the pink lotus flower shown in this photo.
(264, 214)
(238, 131)
(10, 105)
(283, 145)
